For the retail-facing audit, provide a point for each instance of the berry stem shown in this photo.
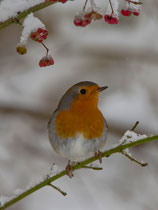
(92, 4)
(85, 4)
(111, 7)
(45, 48)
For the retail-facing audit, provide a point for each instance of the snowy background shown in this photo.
(124, 57)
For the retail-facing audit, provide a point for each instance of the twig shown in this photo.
(133, 159)
(58, 189)
(117, 149)
(93, 167)
(135, 125)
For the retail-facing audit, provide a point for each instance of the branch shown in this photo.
(23, 14)
(46, 182)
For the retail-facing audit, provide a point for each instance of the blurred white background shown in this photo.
(124, 57)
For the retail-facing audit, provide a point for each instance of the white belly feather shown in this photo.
(79, 149)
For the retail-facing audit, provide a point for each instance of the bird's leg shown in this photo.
(99, 155)
(69, 170)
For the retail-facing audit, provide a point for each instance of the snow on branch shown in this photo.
(30, 24)
(130, 139)
(13, 11)
(9, 8)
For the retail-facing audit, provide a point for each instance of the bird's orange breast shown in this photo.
(80, 118)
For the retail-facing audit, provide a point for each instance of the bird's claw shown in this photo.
(99, 155)
(69, 170)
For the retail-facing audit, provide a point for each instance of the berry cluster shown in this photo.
(46, 61)
(85, 18)
(111, 15)
(81, 21)
(39, 35)
(110, 19)
(128, 12)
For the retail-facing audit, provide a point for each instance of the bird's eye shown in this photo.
(83, 91)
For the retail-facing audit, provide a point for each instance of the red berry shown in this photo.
(88, 21)
(39, 35)
(136, 13)
(77, 22)
(39, 30)
(45, 31)
(84, 23)
(46, 61)
(126, 12)
(51, 60)
(115, 20)
(106, 18)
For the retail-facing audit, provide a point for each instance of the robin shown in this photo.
(77, 128)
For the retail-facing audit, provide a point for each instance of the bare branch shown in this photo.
(134, 159)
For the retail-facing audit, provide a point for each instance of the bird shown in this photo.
(77, 129)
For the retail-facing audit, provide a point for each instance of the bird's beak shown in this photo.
(102, 88)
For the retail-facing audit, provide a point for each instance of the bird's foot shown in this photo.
(99, 155)
(69, 170)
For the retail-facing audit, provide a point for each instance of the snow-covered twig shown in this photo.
(15, 15)
(6, 202)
